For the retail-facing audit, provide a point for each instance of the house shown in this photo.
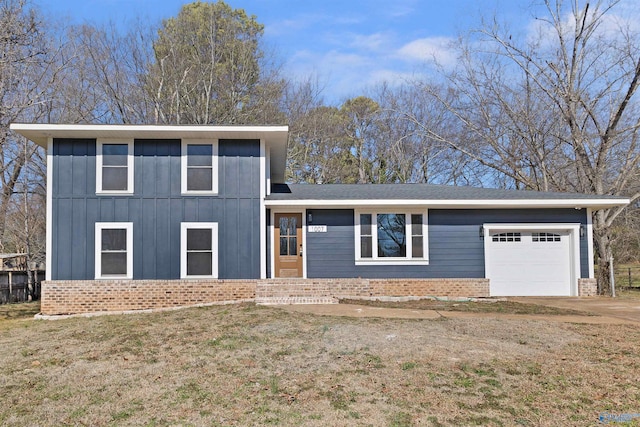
(143, 217)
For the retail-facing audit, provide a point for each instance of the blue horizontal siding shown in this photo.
(455, 247)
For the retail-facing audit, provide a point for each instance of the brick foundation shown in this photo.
(292, 290)
(587, 287)
(90, 296)
(80, 296)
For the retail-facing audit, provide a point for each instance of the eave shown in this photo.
(275, 137)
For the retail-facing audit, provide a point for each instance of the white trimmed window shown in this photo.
(114, 166)
(391, 237)
(199, 173)
(199, 250)
(114, 250)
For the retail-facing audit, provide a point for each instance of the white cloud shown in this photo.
(623, 15)
(371, 42)
(429, 49)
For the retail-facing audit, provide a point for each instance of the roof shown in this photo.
(431, 195)
(275, 137)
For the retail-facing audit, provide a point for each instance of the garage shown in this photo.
(530, 261)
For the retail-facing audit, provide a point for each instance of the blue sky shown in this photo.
(347, 45)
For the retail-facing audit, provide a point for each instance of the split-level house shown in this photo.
(143, 217)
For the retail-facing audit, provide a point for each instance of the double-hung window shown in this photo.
(114, 250)
(391, 237)
(199, 250)
(114, 166)
(199, 167)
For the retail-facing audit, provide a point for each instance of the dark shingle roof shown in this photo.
(329, 192)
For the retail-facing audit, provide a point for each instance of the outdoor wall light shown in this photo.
(582, 231)
(481, 232)
(309, 218)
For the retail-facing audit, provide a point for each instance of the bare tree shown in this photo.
(29, 71)
(556, 110)
(105, 75)
(407, 152)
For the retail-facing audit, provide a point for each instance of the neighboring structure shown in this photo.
(18, 281)
(156, 216)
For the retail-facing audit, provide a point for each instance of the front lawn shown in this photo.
(251, 365)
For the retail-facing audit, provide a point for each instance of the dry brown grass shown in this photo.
(248, 365)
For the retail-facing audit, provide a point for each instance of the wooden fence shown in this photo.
(13, 286)
(627, 276)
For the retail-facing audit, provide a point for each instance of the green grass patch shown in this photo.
(20, 310)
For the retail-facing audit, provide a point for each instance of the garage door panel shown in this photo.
(534, 262)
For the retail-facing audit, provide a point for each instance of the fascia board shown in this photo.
(459, 204)
(39, 133)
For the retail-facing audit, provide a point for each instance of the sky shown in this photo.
(346, 46)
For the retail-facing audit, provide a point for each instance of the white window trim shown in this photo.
(213, 226)
(375, 260)
(98, 248)
(99, 143)
(214, 165)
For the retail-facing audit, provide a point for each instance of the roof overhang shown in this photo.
(275, 137)
(594, 203)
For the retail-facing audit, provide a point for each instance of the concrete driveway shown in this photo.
(606, 310)
(625, 308)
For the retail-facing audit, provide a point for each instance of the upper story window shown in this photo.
(391, 237)
(114, 166)
(199, 167)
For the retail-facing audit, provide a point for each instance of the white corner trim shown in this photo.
(264, 183)
(272, 245)
(304, 244)
(268, 170)
(130, 161)
(98, 248)
(214, 166)
(49, 221)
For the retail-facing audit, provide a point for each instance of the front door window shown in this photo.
(288, 245)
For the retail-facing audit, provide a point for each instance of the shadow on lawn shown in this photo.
(21, 310)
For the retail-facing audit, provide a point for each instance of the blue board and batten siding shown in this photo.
(455, 247)
(156, 209)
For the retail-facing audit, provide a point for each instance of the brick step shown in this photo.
(296, 300)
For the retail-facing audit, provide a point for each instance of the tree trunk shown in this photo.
(602, 246)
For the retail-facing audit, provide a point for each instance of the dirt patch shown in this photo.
(492, 306)
(249, 365)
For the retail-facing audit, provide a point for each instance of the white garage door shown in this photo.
(528, 262)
